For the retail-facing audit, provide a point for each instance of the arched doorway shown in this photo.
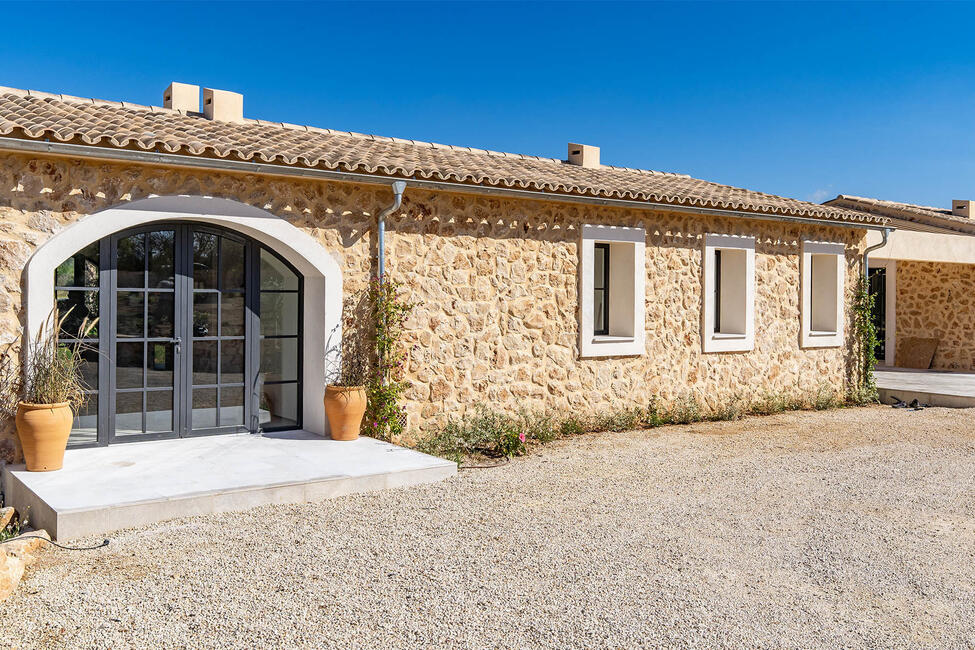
(227, 325)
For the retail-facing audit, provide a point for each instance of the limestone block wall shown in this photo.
(937, 299)
(494, 279)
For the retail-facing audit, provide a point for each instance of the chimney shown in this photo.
(963, 208)
(223, 105)
(583, 155)
(182, 97)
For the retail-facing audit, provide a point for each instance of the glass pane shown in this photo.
(232, 264)
(131, 315)
(205, 314)
(78, 309)
(599, 267)
(89, 366)
(84, 428)
(275, 274)
(128, 413)
(204, 408)
(231, 406)
(161, 315)
(204, 261)
(159, 367)
(232, 314)
(79, 270)
(131, 261)
(279, 313)
(598, 305)
(159, 411)
(128, 365)
(204, 362)
(279, 405)
(231, 362)
(161, 259)
(279, 359)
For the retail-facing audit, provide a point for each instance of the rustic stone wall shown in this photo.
(494, 279)
(937, 299)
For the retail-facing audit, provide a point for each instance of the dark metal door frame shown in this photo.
(182, 334)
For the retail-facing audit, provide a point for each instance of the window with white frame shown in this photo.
(728, 319)
(612, 291)
(822, 269)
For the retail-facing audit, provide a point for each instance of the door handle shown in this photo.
(177, 342)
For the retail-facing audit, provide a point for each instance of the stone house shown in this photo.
(923, 279)
(218, 252)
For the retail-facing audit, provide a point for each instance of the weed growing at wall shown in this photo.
(490, 433)
(389, 309)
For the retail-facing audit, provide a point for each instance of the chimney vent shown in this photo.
(182, 97)
(583, 155)
(223, 105)
(963, 208)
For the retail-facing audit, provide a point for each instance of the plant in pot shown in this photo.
(345, 395)
(46, 389)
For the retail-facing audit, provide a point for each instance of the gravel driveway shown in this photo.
(850, 528)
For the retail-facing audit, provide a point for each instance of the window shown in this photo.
(600, 288)
(612, 291)
(729, 294)
(822, 294)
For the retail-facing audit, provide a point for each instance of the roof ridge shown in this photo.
(868, 199)
(40, 94)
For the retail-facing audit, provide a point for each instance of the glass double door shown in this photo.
(183, 333)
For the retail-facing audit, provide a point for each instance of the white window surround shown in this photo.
(890, 317)
(627, 292)
(823, 271)
(738, 303)
(322, 317)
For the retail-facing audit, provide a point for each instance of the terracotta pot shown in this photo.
(345, 406)
(43, 430)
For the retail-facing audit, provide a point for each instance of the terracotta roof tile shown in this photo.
(906, 215)
(30, 114)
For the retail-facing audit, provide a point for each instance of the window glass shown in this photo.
(79, 270)
(275, 274)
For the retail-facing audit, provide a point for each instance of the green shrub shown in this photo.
(826, 398)
(538, 426)
(571, 426)
(685, 409)
(734, 409)
(622, 420)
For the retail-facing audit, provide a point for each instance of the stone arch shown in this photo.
(322, 317)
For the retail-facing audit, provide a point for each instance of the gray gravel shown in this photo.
(852, 528)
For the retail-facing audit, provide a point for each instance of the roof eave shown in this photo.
(71, 150)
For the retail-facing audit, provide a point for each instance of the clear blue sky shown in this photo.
(804, 100)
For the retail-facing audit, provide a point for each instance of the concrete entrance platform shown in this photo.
(934, 387)
(108, 488)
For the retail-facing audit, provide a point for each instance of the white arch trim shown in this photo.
(322, 318)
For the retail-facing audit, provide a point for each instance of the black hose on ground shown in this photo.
(53, 543)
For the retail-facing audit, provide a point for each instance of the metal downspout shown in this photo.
(866, 254)
(398, 188)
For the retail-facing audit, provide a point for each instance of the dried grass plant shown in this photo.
(51, 369)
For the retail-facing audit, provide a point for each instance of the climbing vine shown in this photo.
(385, 416)
(865, 344)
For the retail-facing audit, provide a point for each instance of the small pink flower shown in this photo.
(521, 436)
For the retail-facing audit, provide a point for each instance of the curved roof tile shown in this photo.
(29, 114)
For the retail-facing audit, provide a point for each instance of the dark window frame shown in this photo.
(717, 290)
(604, 290)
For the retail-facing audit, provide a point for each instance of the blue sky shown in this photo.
(804, 100)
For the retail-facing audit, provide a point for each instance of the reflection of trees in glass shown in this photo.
(204, 261)
(161, 253)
